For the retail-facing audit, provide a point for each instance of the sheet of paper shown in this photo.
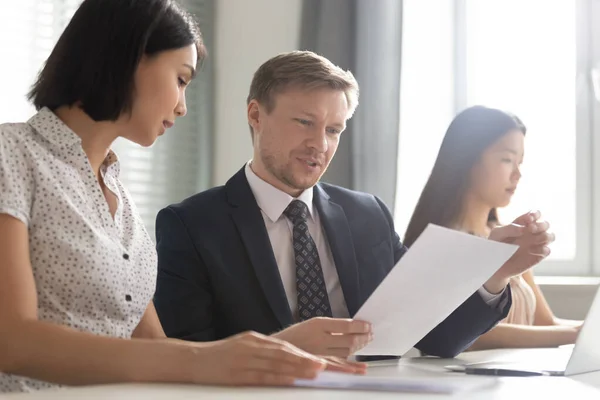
(438, 273)
(449, 385)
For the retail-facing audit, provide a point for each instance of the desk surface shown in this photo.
(585, 386)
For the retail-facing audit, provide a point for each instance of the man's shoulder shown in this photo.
(343, 195)
(208, 201)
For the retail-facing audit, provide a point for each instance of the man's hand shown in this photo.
(328, 336)
(532, 237)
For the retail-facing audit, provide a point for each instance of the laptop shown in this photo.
(581, 358)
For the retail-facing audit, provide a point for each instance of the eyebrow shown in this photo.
(192, 70)
(509, 150)
(309, 114)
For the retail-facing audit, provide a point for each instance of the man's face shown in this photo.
(295, 142)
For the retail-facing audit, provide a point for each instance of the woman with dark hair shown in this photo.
(77, 267)
(476, 172)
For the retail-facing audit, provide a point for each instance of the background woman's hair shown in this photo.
(470, 133)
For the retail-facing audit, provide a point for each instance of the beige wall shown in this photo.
(247, 34)
(569, 297)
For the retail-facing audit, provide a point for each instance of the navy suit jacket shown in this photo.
(217, 274)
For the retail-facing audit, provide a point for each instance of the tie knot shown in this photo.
(297, 211)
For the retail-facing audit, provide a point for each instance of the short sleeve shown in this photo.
(16, 177)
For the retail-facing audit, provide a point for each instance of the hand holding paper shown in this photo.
(438, 273)
(533, 239)
(338, 337)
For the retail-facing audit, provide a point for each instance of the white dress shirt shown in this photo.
(92, 273)
(272, 203)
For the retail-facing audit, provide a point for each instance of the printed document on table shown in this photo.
(441, 270)
(445, 385)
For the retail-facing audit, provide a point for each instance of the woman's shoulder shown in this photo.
(16, 130)
(17, 144)
(17, 136)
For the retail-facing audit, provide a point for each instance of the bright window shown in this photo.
(523, 56)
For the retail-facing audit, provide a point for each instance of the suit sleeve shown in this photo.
(183, 298)
(469, 321)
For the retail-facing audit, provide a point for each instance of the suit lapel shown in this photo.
(250, 224)
(337, 230)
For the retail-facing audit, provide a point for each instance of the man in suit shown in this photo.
(277, 252)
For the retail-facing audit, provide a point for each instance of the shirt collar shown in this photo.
(111, 165)
(53, 129)
(273, 201)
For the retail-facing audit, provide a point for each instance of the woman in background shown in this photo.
(476, 172)
(77, 268)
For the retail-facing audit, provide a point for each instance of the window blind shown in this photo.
(176, 166)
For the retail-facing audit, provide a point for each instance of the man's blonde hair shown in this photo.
(302, 70)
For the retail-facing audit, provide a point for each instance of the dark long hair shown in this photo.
(95, 58)
(470, 133)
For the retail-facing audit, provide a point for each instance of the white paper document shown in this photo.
(446, 385)
(438, 273)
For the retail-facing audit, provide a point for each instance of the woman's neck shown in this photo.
(474, 217)
(96, 137)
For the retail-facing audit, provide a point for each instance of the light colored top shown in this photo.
(92, 273)
(524, 303)
(272, 202)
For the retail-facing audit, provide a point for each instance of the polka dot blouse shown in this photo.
(92, 273)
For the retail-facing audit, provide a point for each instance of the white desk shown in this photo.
(581, 387)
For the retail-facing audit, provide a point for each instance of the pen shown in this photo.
(502, 372)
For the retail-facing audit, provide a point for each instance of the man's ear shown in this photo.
(254, 111)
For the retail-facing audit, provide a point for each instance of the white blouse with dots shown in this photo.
(92, 273)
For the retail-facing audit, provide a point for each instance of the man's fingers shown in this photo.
(507, 233)
(344, 326)
(528, 218)
(352, 341)
(537, 239)
(346, 345)
(540, 251)
(538, 227)
(544, 238)
(339, 352)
